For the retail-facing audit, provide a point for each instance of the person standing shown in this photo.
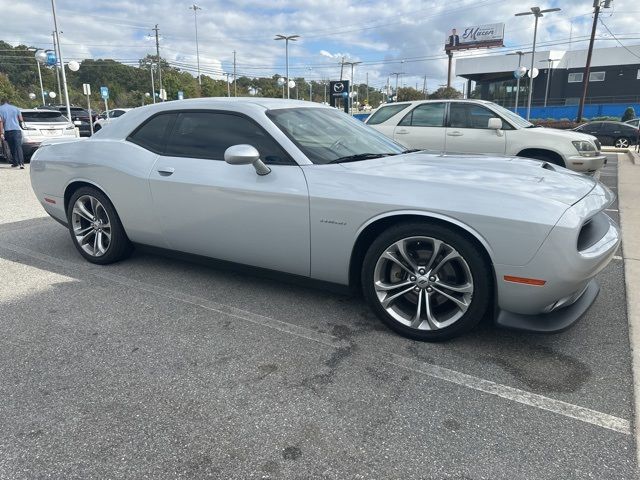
(10, 120)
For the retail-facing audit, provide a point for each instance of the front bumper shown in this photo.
(581, 244)
(555, 321)
(579, 163)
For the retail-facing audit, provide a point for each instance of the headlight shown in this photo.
(585, 148)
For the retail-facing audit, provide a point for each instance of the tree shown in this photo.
(629, 114)
(446, 92)
(409, 93)
(6, 89)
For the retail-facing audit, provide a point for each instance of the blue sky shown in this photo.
(401, 36)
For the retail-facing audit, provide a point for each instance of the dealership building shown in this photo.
(614, 79)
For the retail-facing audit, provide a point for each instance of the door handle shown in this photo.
(455, 134)
(166, 171)
(404, 131)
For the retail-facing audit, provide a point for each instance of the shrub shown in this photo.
(628, 114)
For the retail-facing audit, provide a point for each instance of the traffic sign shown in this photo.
(104, 93)
(180, 95)
(86, 89)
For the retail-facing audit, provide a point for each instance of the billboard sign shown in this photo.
(477, 36)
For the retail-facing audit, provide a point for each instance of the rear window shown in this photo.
(385, 113)
(44, 117)
(152, 135)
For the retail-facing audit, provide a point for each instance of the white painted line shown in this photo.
(617, 257)
(610, 209)
(524, 397)
(516, 395)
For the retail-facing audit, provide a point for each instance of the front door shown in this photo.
(207, 207)
(467, 130)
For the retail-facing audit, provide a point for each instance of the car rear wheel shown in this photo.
(426, 282)
(95, 227)
(621, 142)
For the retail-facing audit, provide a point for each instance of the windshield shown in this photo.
(326, 134)
(514, 118)
(385, 113)
(44, 117)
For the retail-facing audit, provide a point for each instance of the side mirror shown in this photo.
(245, 155)
(495, 123)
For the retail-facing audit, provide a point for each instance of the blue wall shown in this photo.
(570, 111)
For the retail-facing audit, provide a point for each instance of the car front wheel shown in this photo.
(621, 142)
(426, 282)
(95, 228)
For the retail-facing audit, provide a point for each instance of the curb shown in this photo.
(628, 201)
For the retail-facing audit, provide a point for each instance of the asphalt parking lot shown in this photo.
(163, 368)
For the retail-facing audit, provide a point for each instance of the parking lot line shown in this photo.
(524, 397)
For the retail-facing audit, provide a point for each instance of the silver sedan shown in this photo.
(435, 243)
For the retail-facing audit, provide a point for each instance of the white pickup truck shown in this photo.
(478, 126)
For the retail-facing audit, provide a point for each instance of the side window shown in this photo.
(209, 134)
(468, 115)
(152, 135)
(385, 113)
(425, 115)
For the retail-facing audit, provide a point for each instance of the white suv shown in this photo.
(44, 125)
(478, 126)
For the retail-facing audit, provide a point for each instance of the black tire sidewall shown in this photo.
(120, 246)
(481, 274)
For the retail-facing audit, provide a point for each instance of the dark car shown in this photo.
(78, 114)
(616, 134)
(634, 122)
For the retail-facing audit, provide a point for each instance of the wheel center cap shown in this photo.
(422, 281)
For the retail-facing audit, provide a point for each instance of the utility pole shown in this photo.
(450, 55)
(397, 74)
(159, 61)
(353, 64)
(228, 86)
(55, 49)
(424, 87)
(195, 9)
(153, 84)
(587, 68)
(341, 67)
(235, 83)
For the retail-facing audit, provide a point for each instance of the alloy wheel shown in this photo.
(91, 225)
(423, 283)
(622, 143)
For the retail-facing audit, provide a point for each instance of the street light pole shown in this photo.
(195, 9)
(286, 39)
(153, 84)
(537, 13)
(520, 54)
(397, 74)
(546, 88)
(58, 66)
(64, 76)
(353, 64)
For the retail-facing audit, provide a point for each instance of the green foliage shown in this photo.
(6, 89)
(628, 114)
(446, 92)
(129, 84)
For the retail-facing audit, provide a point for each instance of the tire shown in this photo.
(103, 239)
(621, 142)
(467, 270)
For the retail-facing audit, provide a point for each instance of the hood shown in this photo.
(569, 135)
(510, 175)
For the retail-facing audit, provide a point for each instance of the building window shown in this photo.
(596, 76)
(638, 75)
(575, 77)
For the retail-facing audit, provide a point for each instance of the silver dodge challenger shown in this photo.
(435, 242)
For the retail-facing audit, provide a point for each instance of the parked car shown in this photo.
(435, 242)
(78, 114)
(105, 119)
(615, 134)
(40, 125)
(478, 126)
(634, 122)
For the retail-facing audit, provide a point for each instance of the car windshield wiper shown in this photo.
(361, 156)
